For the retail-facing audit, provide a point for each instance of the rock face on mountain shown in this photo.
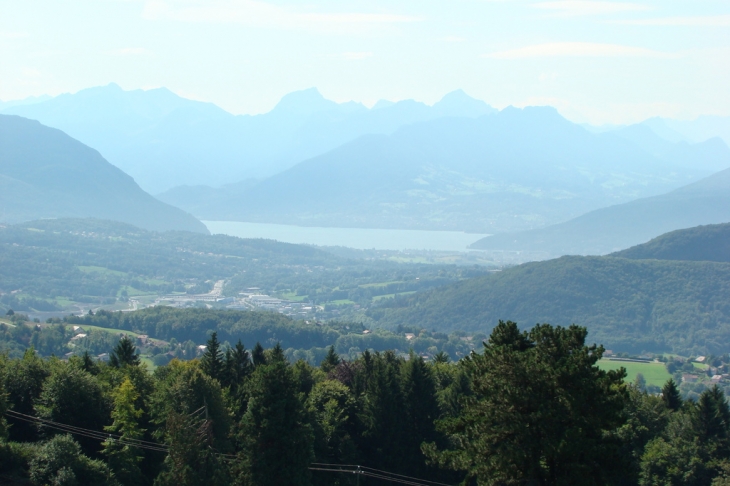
(44, 173)
(515, 170)
(621, 226)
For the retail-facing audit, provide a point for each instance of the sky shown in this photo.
(601, 62)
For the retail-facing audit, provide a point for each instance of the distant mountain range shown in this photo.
(621, 226)
(163, 140)
(517, 169)
(44, 173)
(671, 294)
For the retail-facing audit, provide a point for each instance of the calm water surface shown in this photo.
(360, 238)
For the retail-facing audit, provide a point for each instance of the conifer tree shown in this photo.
(382, 413)
(541, 413)
(237, 365)
(276, 354)
(330, 361)
(419, 412)
(124, 459)
(211, 363)
(670, 395)
(124, 353)
(275, 437)
(257, 355)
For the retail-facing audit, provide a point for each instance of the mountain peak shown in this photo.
(304, 102)
(458, 103)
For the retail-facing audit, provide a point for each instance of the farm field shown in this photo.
(654, 373)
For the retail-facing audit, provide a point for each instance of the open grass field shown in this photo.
(390, 296)
(654, 373)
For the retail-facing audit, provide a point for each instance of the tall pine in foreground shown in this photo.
(274, 436)
(124, 459)
(541, 413)
(211, 363)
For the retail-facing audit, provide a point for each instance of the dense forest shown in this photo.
(629, 305)
(527, 408)
(177, 333)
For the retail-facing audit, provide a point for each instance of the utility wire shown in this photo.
(72, 428)
(374, 473)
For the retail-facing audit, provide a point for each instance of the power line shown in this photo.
(373, 473)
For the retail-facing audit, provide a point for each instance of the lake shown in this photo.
(359, 238)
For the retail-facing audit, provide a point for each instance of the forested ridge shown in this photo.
(527, 408)
(629, 305)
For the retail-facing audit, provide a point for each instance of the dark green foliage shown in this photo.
(257, 356)
(419, 412)
(631, 305)
(211, 363)
(275, 440)
(23, 381)
(192, 460)
(540, 411)
(330, 361)
(61, 462)
(124, 353)
(670, 395)
(237, 365)
(73, 397)
(701, 243)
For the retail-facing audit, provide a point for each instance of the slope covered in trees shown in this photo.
(44, 173)
(629, 305)
(702, 243)
(528, 408)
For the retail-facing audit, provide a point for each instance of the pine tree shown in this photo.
(275, 437)
(670, 395)
(330, 361)
(382, 414)
(420, 410)
(541, 413)
(211, 363)
(276, 354)
(257, 355)
(124, 353)
(124, 459)
(237, 365)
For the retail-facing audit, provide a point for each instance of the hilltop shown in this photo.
(702, 243)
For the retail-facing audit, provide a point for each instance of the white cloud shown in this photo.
(131, 51)
(697, 21)
(576, 49)
(589, 7)
(257, 13)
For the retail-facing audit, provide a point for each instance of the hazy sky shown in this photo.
(597, 61)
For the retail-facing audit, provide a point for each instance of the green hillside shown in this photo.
(44, 174)
(703, 243)
(628, 305)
